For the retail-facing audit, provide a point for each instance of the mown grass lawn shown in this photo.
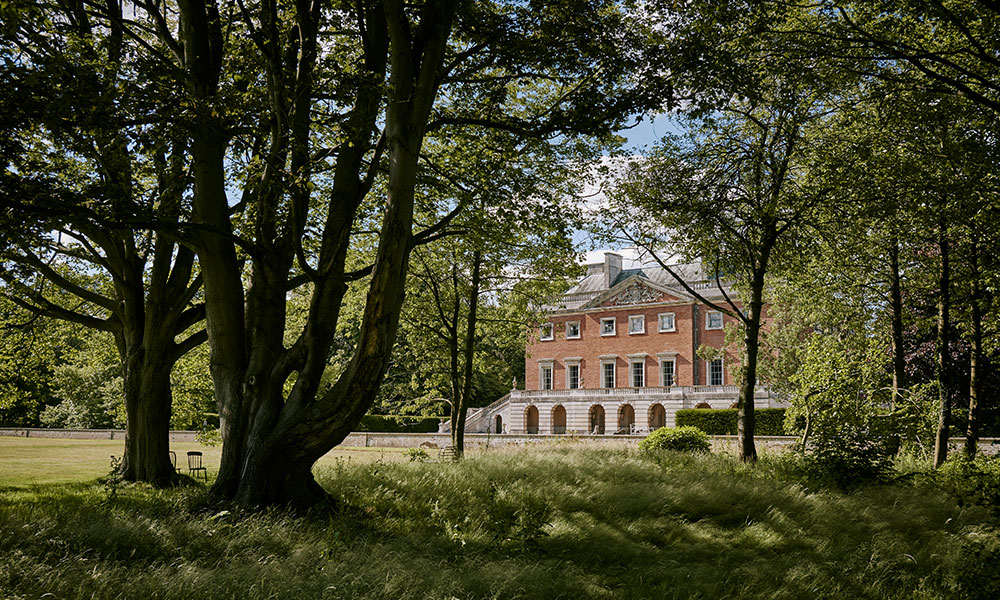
(543, 522)
(42, 461)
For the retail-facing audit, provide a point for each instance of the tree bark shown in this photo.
(745, 416)
(458, 424)
(896, 318)
(976, 359)
(147, 431)
(943, 342)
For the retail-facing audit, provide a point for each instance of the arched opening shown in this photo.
(626, 419)
(559, 419)
(531, 420)
(657, 417)
(734, 405)
(703, 405)
(597, 419)
(498, 427)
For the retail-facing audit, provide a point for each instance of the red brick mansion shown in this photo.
(618, 354)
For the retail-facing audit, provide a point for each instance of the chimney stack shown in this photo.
(612, 267)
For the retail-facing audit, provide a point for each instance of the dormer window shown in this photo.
(545, 332)
(713, 320)
(608, 326)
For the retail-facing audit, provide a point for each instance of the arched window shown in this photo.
(498, 428)
(559, 419)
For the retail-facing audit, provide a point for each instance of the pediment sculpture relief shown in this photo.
(634, 294)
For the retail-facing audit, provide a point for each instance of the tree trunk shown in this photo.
(746, 418)
(147, 430)
(976, 360)
(896, 316)
(896, 309)
(458, 437)
(943, 341)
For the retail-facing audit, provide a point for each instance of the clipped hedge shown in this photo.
(770, 421)
(398, 424)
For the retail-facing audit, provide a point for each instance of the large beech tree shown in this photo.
(84, 173)
(349, 92)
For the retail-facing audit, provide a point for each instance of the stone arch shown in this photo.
(558, 419)
(498, 424)
(531, 419)
(626, 419)
(703, 405)
(597, 419)
(657, 417)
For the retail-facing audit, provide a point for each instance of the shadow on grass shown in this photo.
(559, 523)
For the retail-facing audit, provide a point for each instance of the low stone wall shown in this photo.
(364, 439)
(86, 434)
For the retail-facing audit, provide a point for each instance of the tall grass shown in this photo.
(565, 522)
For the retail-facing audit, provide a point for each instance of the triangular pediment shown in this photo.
(635, 290)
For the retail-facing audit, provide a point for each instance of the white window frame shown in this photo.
(641, 372)
(613, 363)
(722, 370)
(673, 322)
(570, 363)
(708, 320)
(673, 372)
(614, 326)
(546, 337)
(578, 330)
(543, 367)
(642, 321)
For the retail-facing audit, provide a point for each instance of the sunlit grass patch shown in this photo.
(566, 522)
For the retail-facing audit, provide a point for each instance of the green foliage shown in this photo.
(398, 424)
(680, 439)
(29, 350)
(193, 400)
(972, 482)
(417, 455)
(769, 421)
(89, 387)
(847, 455)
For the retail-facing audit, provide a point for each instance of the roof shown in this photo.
(592, 286)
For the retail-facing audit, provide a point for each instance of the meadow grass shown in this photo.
(546, 522)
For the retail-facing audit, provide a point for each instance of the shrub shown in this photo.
(398, 424)
(848, 455)
(769, 421)
(681, 439)
(974, 481)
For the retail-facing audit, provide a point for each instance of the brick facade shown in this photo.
(619, 387)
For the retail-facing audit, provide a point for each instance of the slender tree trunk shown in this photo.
(746, 418)
(943, 343)
(458, 437)
(976, 360)
(896, 309)
(896, 317)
